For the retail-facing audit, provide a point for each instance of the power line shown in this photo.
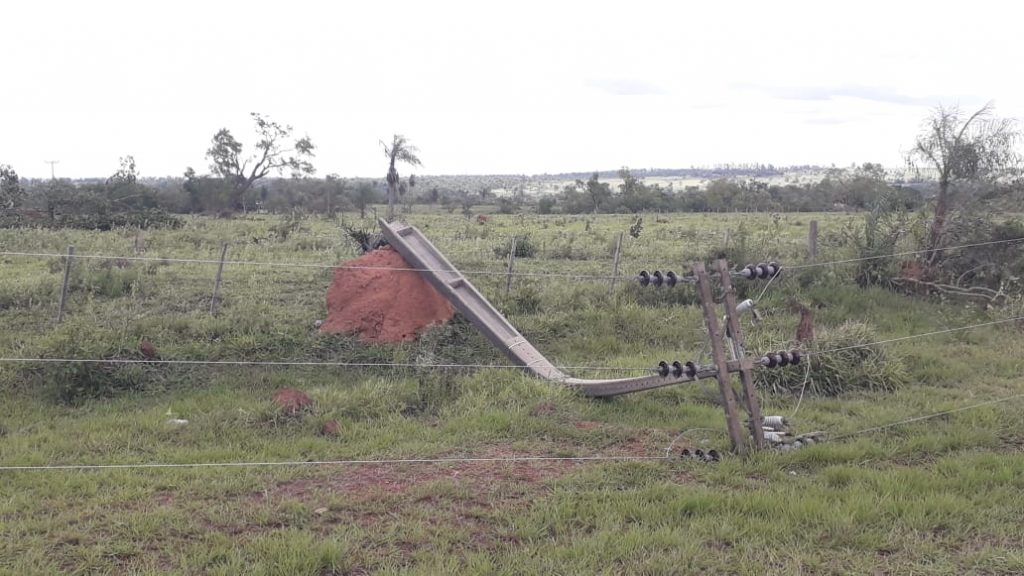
(898, 254)
(913, 336)
(440, 461)
(928, 416)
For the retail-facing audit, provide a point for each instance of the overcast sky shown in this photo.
(495, 87)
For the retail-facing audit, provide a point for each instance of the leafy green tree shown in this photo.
(334, 190)
(11, 193)
(598, 192)
(206, 193)
(275, 151)
(363, 196)
(964, 151)
(546, 204)
(398, 151)
(631, 190)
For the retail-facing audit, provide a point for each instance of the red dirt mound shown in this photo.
(382, 305)
(291, 401)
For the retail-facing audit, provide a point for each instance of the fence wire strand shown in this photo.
(647, 369)
(295, 463)
(442, 461)
(471, 272)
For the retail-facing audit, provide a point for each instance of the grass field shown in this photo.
(941, 496)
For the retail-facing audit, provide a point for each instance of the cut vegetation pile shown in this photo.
(842, 359)
(379, 298)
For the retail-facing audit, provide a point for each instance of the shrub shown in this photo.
(73, 382)
(637, 227)
(525, 248)
(291, 223)
(996, 266)
(526, 300)
(435, 390)
(546, 205)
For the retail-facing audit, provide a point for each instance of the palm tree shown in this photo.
(399, 151)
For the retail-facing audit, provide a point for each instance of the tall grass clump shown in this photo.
(840, 361)
(525, 248)
(71, 382)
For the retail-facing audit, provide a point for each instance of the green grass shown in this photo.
(942, 496)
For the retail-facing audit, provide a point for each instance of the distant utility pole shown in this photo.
(51, 163)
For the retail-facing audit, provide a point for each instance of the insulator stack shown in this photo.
(677, 369)
(781, 359)
(658, 278)
(762, 271)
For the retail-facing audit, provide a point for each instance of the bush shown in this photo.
(73, 382)
(525, 248)
(836, 368)
(546, 205)
(995, 266)
(526, 300)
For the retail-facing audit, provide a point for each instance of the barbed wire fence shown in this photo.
(223, 261)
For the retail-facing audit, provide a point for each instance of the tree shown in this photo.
(598, 191)
(275, 152)
(126, 175)
(11, 193)
(333, 186)
(363, 197)
(979, 148)
(399, 151)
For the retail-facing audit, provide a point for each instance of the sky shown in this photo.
(487, 87)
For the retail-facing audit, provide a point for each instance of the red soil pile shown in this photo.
(382, 305)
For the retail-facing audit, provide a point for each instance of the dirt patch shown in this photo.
(370, 481)
(376, 297)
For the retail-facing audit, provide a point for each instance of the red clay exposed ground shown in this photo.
(382, 305)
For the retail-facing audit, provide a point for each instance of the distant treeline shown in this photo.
(839, 189)
(125, 199)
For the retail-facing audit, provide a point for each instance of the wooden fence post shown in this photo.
(64, 285)
(718, 353)
(216, 281)
(140, 243)
(615, 263)
(735, 333)
(812, 241)
(511, 266)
